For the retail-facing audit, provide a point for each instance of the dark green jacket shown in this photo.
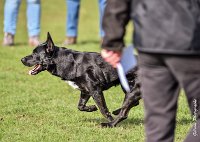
(160, 26)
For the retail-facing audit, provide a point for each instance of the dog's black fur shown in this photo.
(89, 72)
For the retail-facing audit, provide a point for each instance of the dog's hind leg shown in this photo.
(134, 83)
(117, 111)
(130, 101)
(100, 101)
(82, 103)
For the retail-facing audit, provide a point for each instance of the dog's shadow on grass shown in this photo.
(127, 122)
(133, 121)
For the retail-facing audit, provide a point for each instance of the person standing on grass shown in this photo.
(167, 37)
(73, 7)
(11, 10)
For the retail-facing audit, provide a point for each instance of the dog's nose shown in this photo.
(23, 60)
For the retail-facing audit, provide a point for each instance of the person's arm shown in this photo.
(116, 17)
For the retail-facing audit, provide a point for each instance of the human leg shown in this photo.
(160, 91)
(102, 4)
(11, 10)
(72, 21)
(187, 70)
(33, 21)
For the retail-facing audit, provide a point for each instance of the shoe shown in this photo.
(8, 39)
(101, 40)
(34, 41)
(70, 41)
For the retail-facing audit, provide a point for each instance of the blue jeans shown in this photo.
(11, 11)
(73, 15)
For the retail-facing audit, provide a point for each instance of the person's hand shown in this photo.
(112, 57)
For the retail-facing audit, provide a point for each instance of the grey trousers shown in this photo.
(161, 78)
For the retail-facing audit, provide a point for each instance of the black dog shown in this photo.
(88, 72)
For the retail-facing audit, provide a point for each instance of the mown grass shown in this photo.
(43, 108)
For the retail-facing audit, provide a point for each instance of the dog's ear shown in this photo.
(50, 44)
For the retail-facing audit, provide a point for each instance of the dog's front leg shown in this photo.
(100, 101)
(82, 103)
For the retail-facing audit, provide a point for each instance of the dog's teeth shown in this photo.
(34, 70)
(30, 72)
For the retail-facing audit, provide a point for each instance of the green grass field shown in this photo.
(43, 108)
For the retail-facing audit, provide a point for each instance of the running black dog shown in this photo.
(89, 73)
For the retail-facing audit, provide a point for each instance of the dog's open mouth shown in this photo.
(37, 68)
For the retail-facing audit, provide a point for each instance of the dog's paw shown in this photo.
(117, 111)
(107, 125)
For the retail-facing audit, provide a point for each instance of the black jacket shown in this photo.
(160, 26)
